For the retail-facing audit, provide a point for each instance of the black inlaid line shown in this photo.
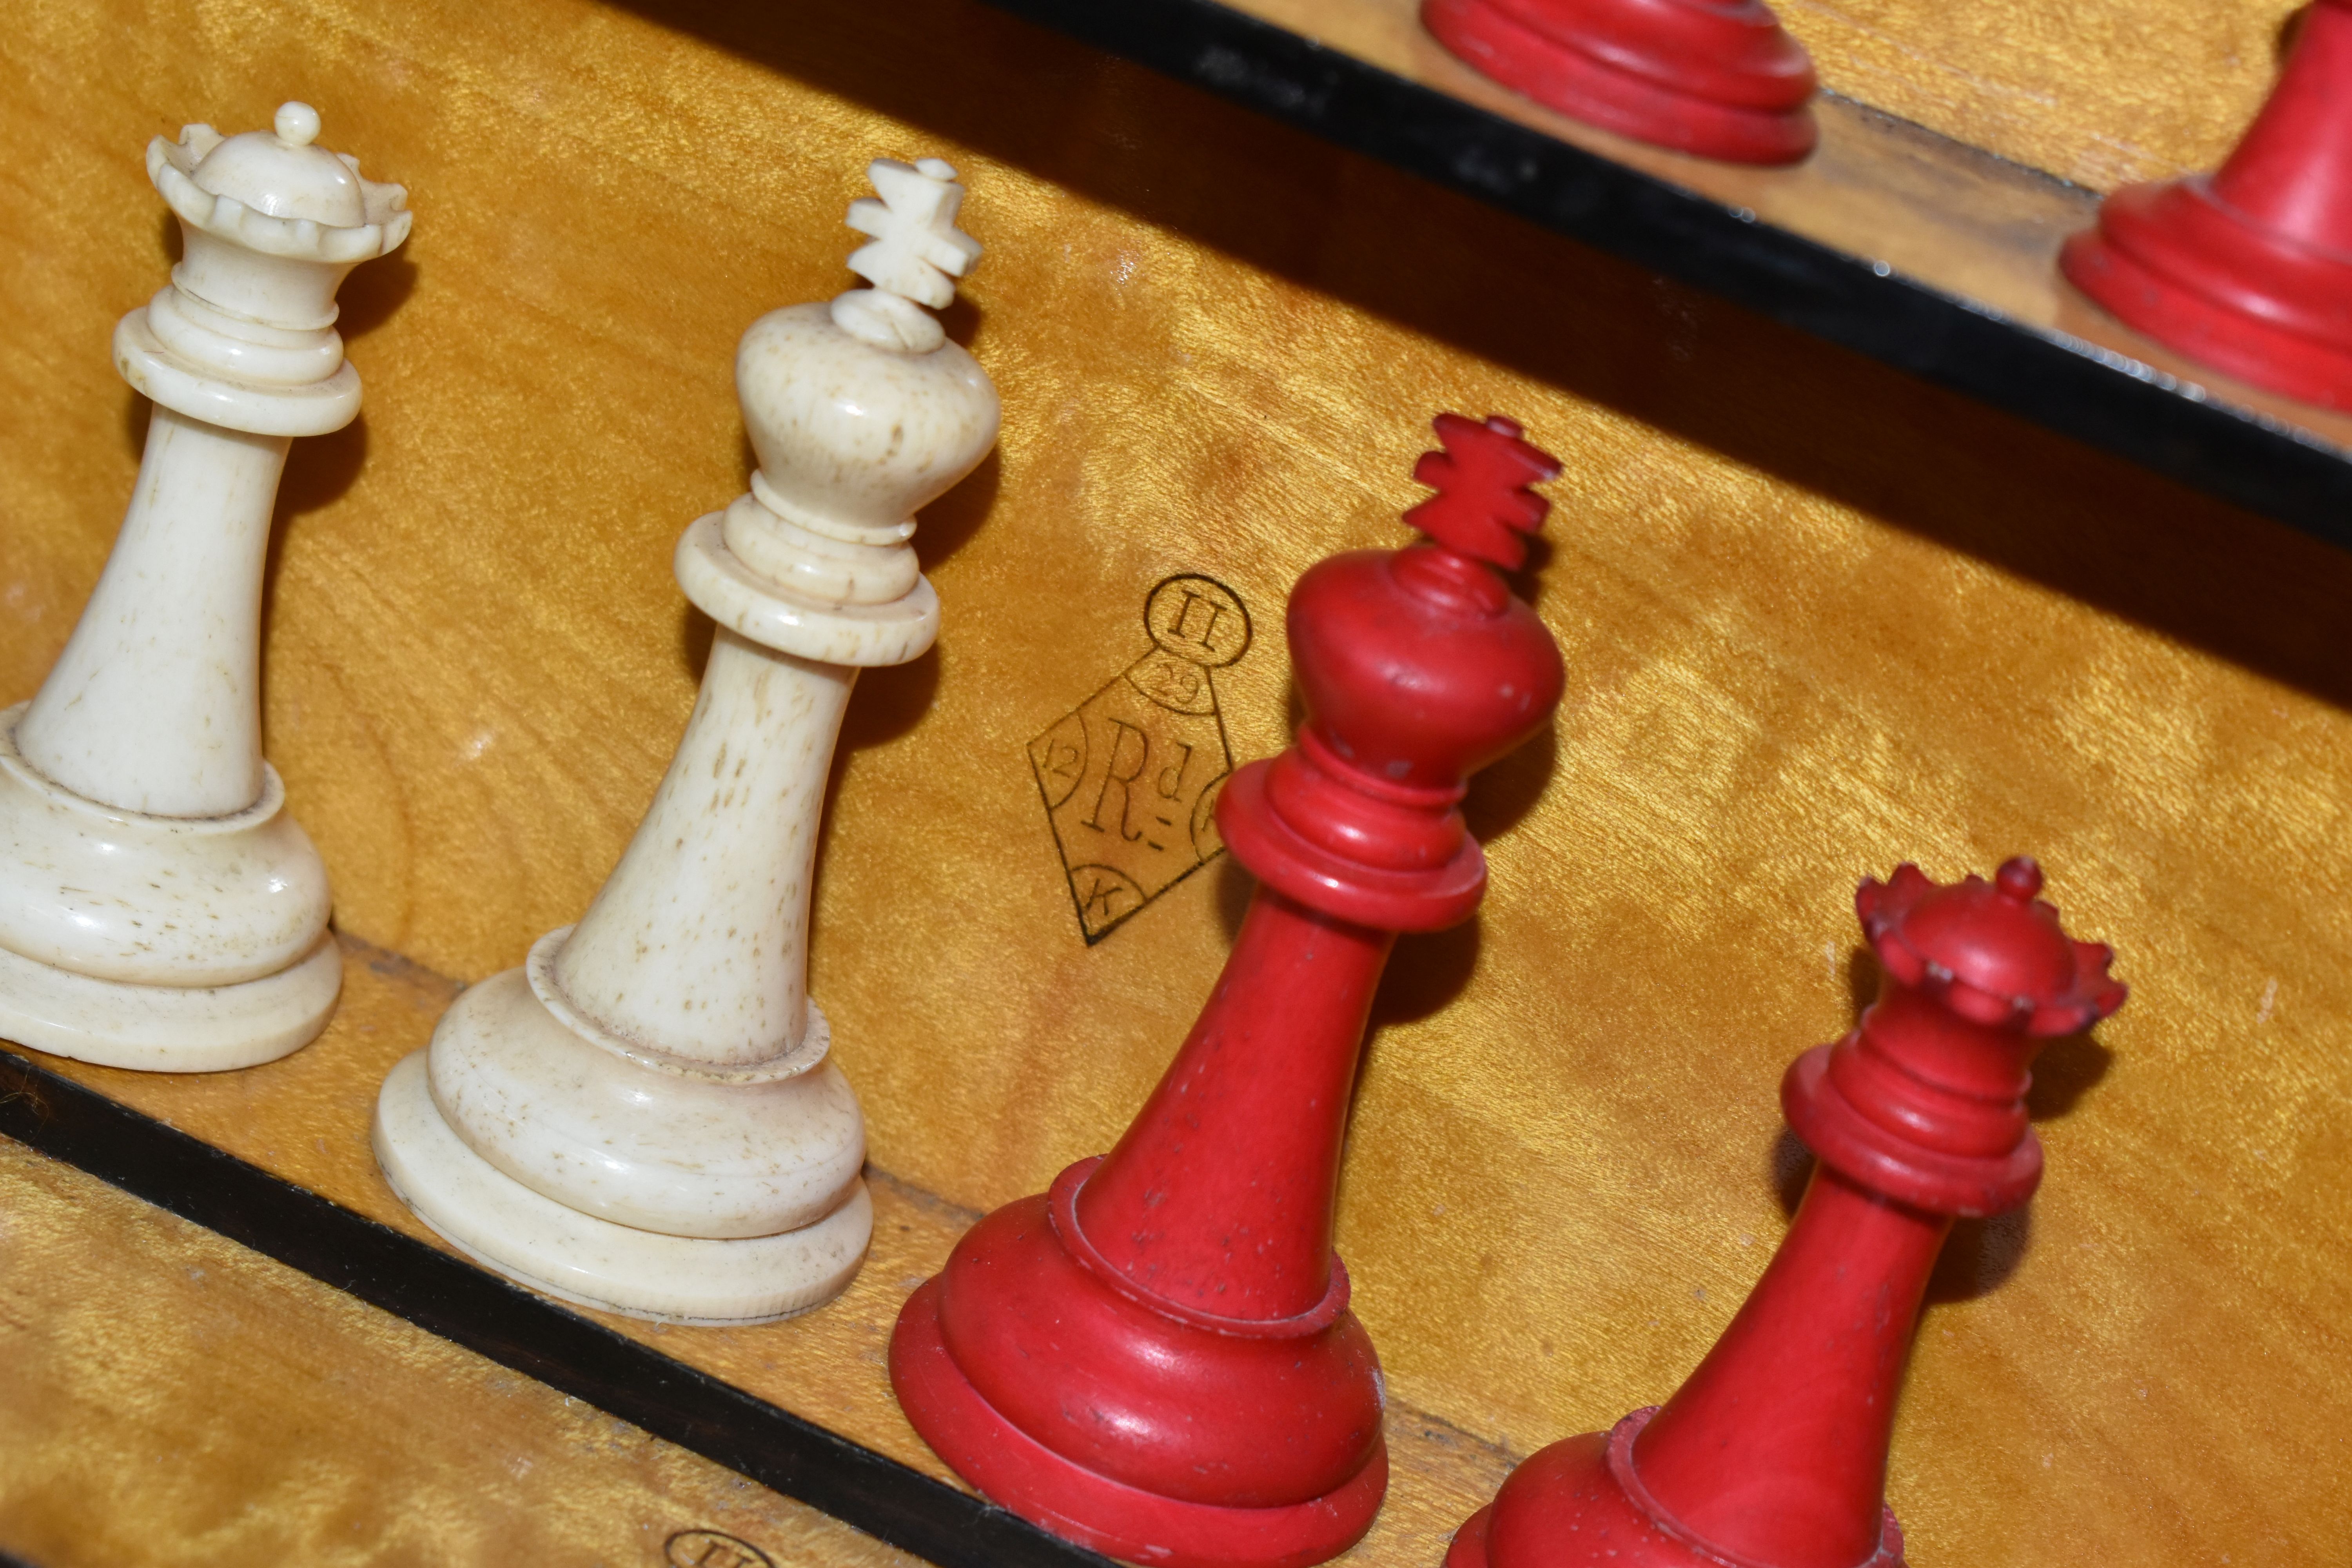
(452, 1298)
(2078, 389)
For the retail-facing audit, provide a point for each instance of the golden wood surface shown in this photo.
(2101, 94)
(306, 1119)
(1818, 619)
(168, 1398)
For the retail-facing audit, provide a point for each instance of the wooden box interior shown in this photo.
(1818, 617)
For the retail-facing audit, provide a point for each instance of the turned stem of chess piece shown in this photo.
(643, 1117)
(1721, 79)
(1155, 1357)
(158, 906)
(1773, 1455)
(2249, 269)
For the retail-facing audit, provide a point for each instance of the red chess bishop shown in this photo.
(2249, 269)
(1155, 1357)
(1721, 79)
(1774, 1454)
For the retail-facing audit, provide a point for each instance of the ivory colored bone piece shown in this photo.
(642, 1116)
(158, 906)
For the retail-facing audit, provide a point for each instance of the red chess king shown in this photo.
(1774, 1454)
(1718, 78)
(1155, 1357)
(2249, 269)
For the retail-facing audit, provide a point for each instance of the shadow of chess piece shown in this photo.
(2249, 269)
(158, 908)
(644, 1117)
(1155, 1357)
(1721, 79)
(1773, 1455)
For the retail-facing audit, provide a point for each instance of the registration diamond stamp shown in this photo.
(1130, 776)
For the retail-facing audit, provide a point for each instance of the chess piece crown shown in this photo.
(1418, 666)
(645, 1116)
(860, 412)
(158, 906)
(1773, 1453)
(1924, 1101)
(1156, 1357)
(271, 224)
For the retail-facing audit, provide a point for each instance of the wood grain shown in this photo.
(1818, 619)
(167, 1396)
(826, 1366)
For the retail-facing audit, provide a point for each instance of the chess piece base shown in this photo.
(577, 1257)
(169, 1028)
(532, 1084)
(2187, 269)
(1020, 1473)
(1720, 82)
(158, 944)
(1583, 1491)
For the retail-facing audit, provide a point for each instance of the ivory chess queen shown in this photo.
(642, 1116)
(1773, 1455)
(158, 906)
(1155, 1357)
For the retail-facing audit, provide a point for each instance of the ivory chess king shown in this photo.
(1158, 1357)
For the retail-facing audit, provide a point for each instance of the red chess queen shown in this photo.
(1774, 1454)
(1155, 1357)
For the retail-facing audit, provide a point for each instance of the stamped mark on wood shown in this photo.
(1131, 777)
(708, 1549)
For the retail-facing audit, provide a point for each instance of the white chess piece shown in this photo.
(158, 906)
(642, 1116)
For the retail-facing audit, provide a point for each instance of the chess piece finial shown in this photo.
(643, 1115)
(916, 255)
(1721, 79)
(158, 907)
(1773, 1455)
(2249, 269)
(1483, 507)
(1155, 1357)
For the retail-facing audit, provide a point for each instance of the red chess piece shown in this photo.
(1155, 1357)
(2249, 269)
(1718, 78)
(1774, 1454)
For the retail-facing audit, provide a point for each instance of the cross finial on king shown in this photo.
(916, 249)
(1483, 507)
(915, 254)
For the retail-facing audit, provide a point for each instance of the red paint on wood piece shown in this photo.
(2249, 269)
(1155, 1357)
(1721, 79)
(1773, 1455)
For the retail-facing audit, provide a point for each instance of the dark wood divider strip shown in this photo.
(448, 1296)
(2064, 384)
